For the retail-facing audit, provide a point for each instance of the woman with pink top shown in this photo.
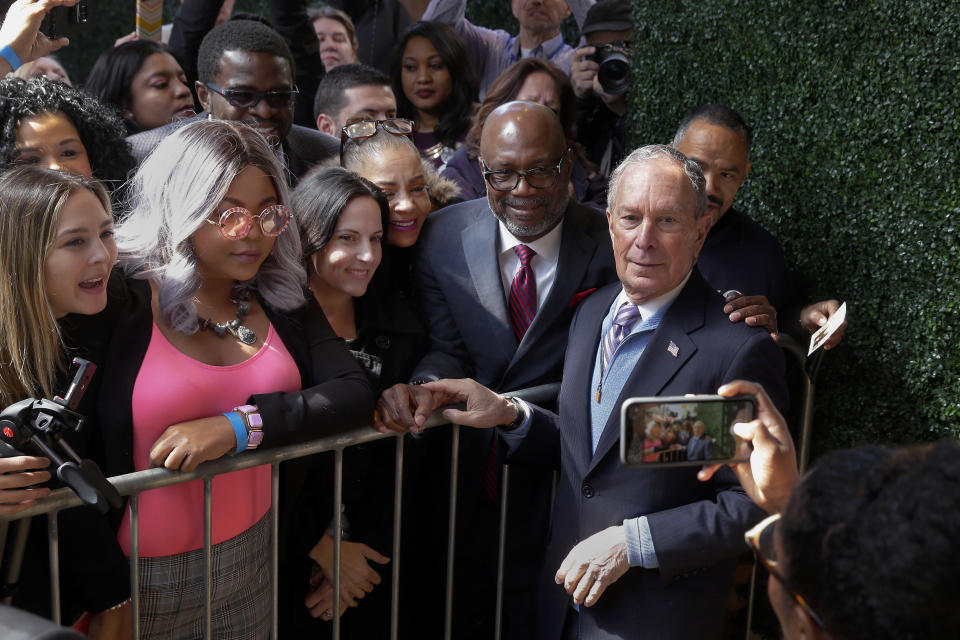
(210, 347)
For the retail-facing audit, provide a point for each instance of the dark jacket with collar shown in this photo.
(336, 396)
(303, 148)
(697, 527)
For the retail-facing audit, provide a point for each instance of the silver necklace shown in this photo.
(234, 327)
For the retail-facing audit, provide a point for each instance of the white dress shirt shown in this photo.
(544, 264)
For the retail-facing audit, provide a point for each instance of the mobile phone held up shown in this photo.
(65, 21)
(684, 431)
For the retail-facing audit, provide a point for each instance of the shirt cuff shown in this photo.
(514, 437)
(640, 550)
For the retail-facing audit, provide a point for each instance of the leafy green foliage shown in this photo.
(856, 112)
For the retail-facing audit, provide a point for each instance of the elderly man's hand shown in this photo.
(593, 565)
(756, 311)
(814, 316)
(485, 408)
(770, 475)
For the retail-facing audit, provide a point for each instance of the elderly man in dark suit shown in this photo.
(500, 279)
(644, 553)
(246, 73)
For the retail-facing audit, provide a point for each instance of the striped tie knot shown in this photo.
(626, 316)
(524, 253)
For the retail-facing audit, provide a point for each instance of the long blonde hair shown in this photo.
(31, 202)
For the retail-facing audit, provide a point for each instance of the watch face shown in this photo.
(254, 438)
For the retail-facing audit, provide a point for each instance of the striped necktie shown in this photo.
(523, 293)
(627, 315)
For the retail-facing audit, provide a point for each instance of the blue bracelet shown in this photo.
(10, 56)
(239, 430)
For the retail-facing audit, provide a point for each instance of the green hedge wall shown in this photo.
(856, 111)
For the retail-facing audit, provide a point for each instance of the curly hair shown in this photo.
(101, 130)
(458, 110)
(869, 539)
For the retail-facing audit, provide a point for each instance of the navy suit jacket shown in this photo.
(697, 527)
(462, 295)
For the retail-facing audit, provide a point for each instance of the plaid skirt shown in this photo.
(171, 590)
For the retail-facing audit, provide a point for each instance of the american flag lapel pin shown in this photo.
(673, 349)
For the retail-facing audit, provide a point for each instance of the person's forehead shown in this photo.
(606, 37)
(706, 138)
(369, 95)
(522, 127)
(659, 183)
(329, 25)
(238, 66)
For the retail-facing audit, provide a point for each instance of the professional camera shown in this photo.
(38, 425)
(614, 61)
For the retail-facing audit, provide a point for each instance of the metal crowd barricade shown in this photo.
(133, 484)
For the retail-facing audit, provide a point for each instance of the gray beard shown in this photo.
(531, 232)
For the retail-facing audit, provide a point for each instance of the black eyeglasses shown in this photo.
(249, 98)
(236, 223)
(538, 177)
(761, 539)
(362, 129)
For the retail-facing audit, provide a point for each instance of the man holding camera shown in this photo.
(599, 73)
(643, 552)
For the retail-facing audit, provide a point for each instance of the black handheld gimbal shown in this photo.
(40, 424)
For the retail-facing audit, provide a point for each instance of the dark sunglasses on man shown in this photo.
(249, 98)
(362, 129)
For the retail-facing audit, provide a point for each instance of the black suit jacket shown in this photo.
(303, 148)
(697, 528)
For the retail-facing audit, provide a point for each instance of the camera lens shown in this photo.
(614, 73)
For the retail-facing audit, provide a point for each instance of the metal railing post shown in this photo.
(207, 557)
(134, 511)
(397, 511)
(501, 550)
(274, 550)
(53, 538)
(337, 537)
(451, 531)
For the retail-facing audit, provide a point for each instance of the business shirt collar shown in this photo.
(656, 305)
(547, 246)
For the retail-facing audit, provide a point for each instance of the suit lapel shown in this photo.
(658, 364)
(479, 241)
(576, 251)
(576, 394)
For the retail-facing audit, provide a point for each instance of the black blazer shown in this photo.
(336, 396)
(697, 527)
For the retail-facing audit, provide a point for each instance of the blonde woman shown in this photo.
(56, 251)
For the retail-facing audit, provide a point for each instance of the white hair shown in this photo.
(175, 190)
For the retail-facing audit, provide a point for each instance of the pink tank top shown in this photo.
(172, 387)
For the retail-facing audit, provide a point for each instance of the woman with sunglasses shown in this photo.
(207, 357)
(436, 88)
(382, 152)
(344, 226)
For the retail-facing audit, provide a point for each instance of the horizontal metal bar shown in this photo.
(148, 479)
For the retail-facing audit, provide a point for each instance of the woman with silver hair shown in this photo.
(210, 347)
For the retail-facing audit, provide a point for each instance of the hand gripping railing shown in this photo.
(132, 484)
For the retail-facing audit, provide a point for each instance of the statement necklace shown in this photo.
(235, 327)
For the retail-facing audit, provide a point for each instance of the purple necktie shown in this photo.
(627, 315)
(523, 293)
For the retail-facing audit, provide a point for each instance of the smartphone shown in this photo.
(65, 21)
(684, 431)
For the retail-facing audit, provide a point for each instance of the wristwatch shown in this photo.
(254, 424)
(521, 415)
